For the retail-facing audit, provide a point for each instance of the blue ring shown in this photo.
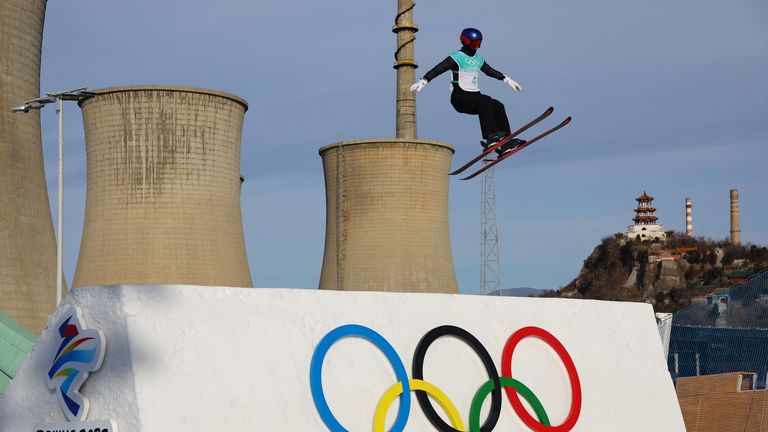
(316, 374)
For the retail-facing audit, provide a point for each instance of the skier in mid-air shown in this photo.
(465, 66)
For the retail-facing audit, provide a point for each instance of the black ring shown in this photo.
(418, 373)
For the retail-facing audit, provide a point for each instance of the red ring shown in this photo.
(573, 376)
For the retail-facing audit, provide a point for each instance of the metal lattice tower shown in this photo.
(491, 275)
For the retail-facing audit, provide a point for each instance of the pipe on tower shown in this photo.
(27, 242)
(387, 216)
(688, 217)
(163, 198)
(735, 229)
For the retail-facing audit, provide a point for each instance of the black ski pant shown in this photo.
(493, 116)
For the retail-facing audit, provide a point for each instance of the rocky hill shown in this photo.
(667, 275)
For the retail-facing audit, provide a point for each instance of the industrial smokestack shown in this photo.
(406, 67)
(163, 200)
(688, 217)
(735, 230)
(27, 243)
(387, 217)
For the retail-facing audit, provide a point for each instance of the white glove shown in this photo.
(512, 83)
(419, 85)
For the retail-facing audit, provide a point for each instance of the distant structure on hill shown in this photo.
(646, 226)
(735, 226)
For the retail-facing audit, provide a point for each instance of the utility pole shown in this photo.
(37, 104)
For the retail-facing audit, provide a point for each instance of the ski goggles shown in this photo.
(474, 44)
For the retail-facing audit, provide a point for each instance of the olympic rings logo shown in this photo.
(513, 388)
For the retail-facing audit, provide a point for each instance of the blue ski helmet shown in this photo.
(471, 37)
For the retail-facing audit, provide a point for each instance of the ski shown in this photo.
(518, 148)
(503, 141)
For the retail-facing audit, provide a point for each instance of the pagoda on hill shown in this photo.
(646, 226)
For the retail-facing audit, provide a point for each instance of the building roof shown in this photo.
(15, 343)
(644, 197)
(645, 209)
(644, 218)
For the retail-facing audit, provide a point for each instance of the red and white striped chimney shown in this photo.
(688, 217)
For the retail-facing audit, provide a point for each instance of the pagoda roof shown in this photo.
(644, 218)
(645, 209)
(644, 197)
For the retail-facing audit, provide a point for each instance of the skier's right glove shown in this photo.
(419, 85)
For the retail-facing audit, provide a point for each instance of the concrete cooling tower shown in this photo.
(387, 216)
(27, 243)
(163, 200)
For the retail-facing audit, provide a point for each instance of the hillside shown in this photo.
(666, 275)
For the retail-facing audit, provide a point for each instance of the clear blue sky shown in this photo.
(667, 97)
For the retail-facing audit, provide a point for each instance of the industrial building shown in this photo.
(163, 200)
(27, 242)
(387, 199)
(387, 216)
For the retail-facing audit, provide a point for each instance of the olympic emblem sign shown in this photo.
(513, 388)
(81, 351)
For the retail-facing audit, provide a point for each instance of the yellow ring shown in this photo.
(416, 384)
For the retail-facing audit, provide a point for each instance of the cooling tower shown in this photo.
(27, 243)
(163, 200)
(735, 229)
(387, 216)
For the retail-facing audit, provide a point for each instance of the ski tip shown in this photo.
(549, 110)
(567, 120)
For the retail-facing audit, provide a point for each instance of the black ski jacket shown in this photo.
(450, 64)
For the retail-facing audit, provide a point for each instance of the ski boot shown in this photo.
(498, 136)
(509, 146)
(493, 139)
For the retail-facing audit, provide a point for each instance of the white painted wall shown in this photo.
(229, 359)
(646, 232)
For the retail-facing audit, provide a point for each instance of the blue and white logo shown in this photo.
(80, 352)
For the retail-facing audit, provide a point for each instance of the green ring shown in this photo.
(525, 392)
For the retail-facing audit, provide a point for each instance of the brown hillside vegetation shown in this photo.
(666, 275)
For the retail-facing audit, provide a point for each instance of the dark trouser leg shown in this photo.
(500, 121)
(493, 116)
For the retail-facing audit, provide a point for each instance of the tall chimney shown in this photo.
(387, 199)
(27, 242)
(163, 199)
(405, 66)
(735, 230)
(688, 217)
